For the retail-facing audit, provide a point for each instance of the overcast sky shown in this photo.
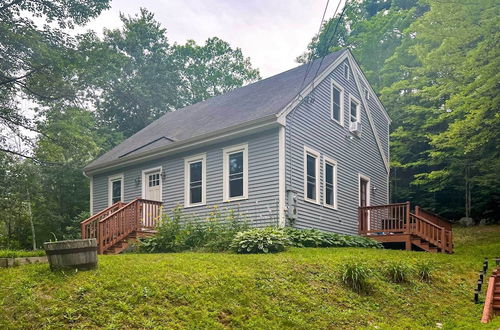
(272, 33)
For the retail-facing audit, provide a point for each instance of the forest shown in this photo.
(66, 98)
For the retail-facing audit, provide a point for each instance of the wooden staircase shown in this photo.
(492, 302)
(117, 226)
(395, 223)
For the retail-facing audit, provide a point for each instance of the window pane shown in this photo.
(195, 170)
(354, 111)
(329, 195)
(236, 162)
(311, 190)
(116, 187)
(336, 103)
(311, 166)
(195, 194)
(329, 173)
(236, 187)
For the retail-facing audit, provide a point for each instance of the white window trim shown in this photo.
(225, 172)
(327, 160)
(339, 87)
(368, 189)
(309, 151)
(111, 179)
(145, 182)
(358, 112)
(187, 184)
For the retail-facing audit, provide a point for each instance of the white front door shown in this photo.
(152, 185)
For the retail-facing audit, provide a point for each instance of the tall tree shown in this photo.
(37, 64)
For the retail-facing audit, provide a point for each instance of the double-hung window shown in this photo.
(115, 189)
(195, 185)
(311, 175)
(337, 102)
(235, 170)
(330, 187)
(354, 110)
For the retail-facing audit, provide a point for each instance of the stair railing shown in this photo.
(114, 224)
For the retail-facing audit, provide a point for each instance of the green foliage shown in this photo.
(398, 272)
(316, 238)
(260, 240)
(424, 270)
(296, 289)
(356, 275)
(215, 233)
(21, 253)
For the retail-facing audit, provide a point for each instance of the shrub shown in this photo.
(424, 270)
(316, 238)
(398, 272)
(214, 233)
(356, 275)
(260, 240)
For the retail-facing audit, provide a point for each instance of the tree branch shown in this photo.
(5, 7)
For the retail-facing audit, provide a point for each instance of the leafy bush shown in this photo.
(356, 275)
(398, 272)
(424, 270)
(260, 240)
(316, 238)
(214, 233)
(21, 253)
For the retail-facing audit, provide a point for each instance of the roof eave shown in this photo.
(177, 146)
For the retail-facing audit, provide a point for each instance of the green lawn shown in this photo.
(297, 289)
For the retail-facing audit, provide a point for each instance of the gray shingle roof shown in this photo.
(252, 102)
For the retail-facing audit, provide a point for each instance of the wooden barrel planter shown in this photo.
(78, 253)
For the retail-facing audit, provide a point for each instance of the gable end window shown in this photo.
(195, 176)
(346, 71)
(311, 175)
(235, 169)
(330, 178)
(115, 189)
(337, 101)
(354, 112)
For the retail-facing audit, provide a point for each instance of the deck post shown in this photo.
(407, 220)
(408, 243)
(443, 240)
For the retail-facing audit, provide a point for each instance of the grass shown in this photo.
(300, 289)
(21, 253)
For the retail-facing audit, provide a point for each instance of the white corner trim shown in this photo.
(187, 184)
(282, 176)
(91, 186)
(314, 153)
(308, 89)
(336, 85)
(369, 115)
(368, 189)
(328, 160)
(145, 182)
(225, 171)
(111, 179)
(358, 108)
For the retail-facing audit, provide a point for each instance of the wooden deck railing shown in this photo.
(120, 220)
(490, 296)
(397, 219)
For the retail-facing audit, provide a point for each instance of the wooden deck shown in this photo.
(395, 223)
(492, 301)
(118, 225)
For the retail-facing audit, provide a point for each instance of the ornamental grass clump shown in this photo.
(398, 272)
(356, 276)
(260, 240)
(424, 270)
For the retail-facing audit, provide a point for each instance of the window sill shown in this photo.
(337, 122)
(187, 206)
(235, 199)
(312, 201)
(331, 207)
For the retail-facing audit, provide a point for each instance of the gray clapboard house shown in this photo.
(307, 146)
